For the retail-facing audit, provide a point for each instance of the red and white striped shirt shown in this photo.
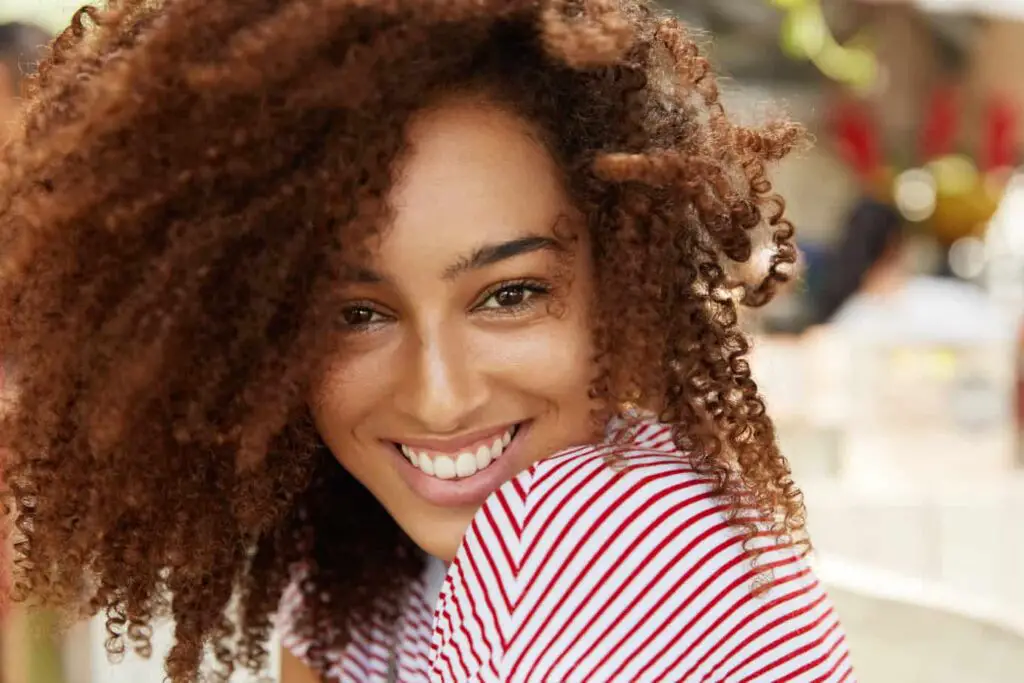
(577, 571)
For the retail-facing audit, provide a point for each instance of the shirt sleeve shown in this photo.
(364, 660)
(637, 575)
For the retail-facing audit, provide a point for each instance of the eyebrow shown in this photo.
(484, 256)
(364, 275)
(489, 254)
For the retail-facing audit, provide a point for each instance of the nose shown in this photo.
(441, 388)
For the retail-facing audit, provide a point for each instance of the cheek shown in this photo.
(553, 359)
(346, 391)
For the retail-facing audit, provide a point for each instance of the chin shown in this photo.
(441, 538)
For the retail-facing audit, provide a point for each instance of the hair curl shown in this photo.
(174, 213)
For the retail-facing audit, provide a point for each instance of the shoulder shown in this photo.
(565, 502)
(636, 572)
(647, 483)
(598, 506)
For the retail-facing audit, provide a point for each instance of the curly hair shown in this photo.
(174, 215)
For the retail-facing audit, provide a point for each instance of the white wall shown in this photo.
(958, 549)
(50, 13)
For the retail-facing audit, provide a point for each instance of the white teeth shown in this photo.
(465, 466)
(483, 457)
(444, 467)
(425, 464)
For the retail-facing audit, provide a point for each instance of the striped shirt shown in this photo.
(578, 571)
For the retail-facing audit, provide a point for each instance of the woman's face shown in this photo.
(456, 371)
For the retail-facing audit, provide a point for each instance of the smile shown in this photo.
(463, 463)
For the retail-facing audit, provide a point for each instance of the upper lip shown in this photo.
(456, 443)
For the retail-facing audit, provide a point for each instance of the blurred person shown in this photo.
(21, 46)
(865, 287)
(408, 325)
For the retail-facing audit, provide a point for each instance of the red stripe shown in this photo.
(419, 623)
(483, 590)
(648, 432)
(360, 675)
(660, 445)
(445, 653)
(358, 646)
(747, 597)
(406, 651)
(581, 511)
(496, 571)
(442, 598)
(579, 514)
(685, 552)
(361, 666)
(468, 593)
(520, 491)
(764, 607)
(537, 505)
(564, 461)
(568, 454)
(599, 553)
(786, 657)
(784, 618)
(709, 604)
(840, 641)
(844, 660)
(513, 522)
(443, 635)
(419, 670)
(638, 436)
(534, 512)
(689, 548)
(556, 463)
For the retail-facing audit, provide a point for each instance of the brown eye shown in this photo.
(359, 316)
(511, 296)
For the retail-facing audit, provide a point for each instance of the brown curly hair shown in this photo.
(173, 217)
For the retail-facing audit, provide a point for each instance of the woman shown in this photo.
(341, 299)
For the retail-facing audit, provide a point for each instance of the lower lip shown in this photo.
(472, 490)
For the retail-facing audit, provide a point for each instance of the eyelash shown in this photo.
(533, 289)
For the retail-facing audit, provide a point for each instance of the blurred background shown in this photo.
(893, 367)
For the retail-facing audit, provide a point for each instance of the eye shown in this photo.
(360, 316)
(513, 296)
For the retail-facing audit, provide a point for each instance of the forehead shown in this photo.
(475, 173)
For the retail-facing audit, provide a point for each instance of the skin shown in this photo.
(293, 670)
(443, 338)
